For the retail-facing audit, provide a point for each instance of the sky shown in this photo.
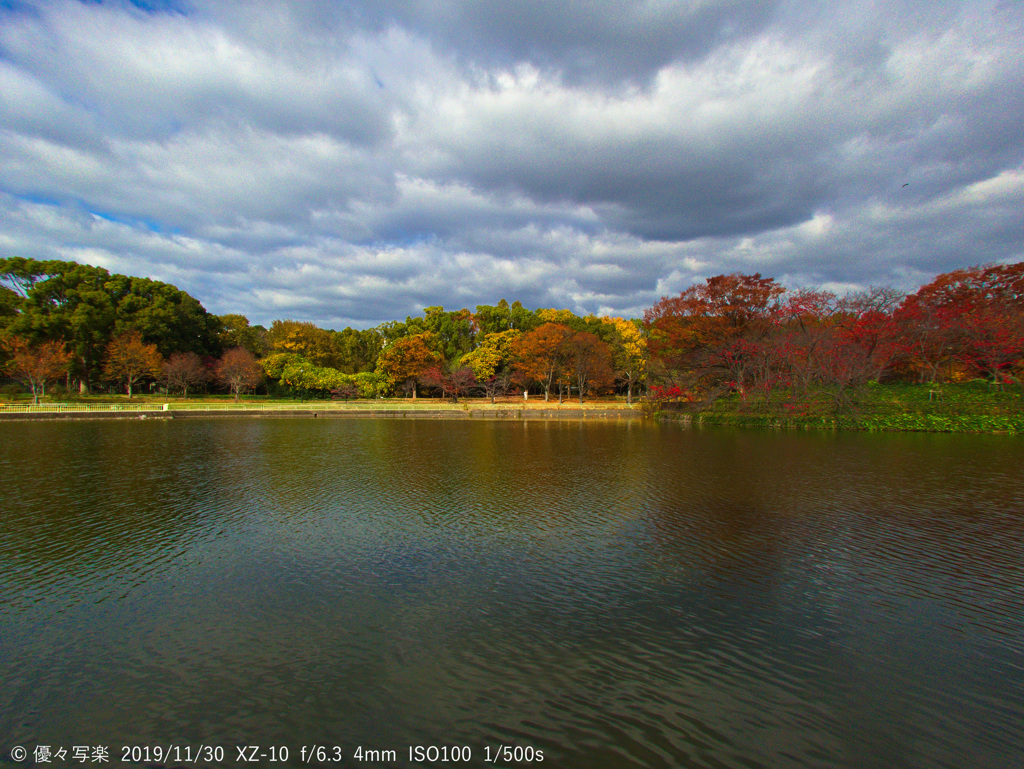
(350, 163)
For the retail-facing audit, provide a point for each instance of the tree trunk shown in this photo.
(629, 393)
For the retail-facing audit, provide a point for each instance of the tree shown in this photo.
(404, 360)
(629, 350)
(710, 335)
(499, 384)
(238, 369)
(37, 365)
(235, 331)
(450, 380)
(63, 301)
(165, 315)
(452, 333)
(184, 370)
(588, 362)
(971, 318)
(494, 354)
(540, 354)
(358, 349)
(306, 339)
(86, 307)
(130, 360)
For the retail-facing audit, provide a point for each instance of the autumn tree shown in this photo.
(184, 370)
(587, 362)
(493, 354)
(540, 355)
(629, 351)
(306, 339)
(130, 360)
(404, 360)
(450, 379)
(238, 370)
(973, 317)
(710, 335)
(36, 365)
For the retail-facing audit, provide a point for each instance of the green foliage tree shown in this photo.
(86, 307)
(452, 334)
(358, 349)
(235, 331)
(164, 315)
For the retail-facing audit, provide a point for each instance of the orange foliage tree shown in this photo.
(37, 365)
(540, 355)
(130, 360)
(406, 359)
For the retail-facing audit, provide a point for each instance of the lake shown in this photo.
(561, 594)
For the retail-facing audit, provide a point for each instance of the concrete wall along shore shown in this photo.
(532, 414)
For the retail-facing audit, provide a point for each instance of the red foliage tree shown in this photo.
(711, 334)
(239, 370)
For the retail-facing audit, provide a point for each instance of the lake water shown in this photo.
(586, 595)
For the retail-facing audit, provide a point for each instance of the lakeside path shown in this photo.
(537, 410)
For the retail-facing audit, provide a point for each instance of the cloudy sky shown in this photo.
(353, 162)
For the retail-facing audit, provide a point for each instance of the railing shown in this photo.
(49, 408)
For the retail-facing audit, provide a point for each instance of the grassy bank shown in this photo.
(969, 407)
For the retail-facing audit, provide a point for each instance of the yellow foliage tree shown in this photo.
(629, 348)
(494, 353)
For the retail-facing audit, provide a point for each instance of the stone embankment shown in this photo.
(485, 414)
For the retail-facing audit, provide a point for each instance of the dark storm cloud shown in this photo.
(586, 42)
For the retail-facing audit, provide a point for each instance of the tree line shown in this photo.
(80, 325)
(750, 335)
(64, 322)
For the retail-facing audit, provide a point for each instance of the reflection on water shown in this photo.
(614, 595)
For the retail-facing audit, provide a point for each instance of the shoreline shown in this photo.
(489, 414)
